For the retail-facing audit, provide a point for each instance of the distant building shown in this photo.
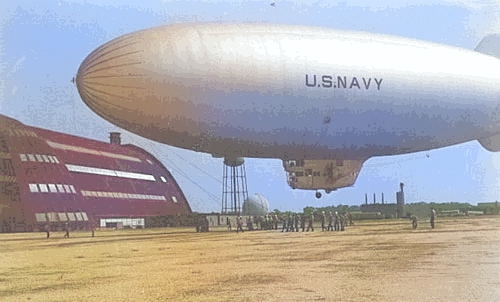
(51, 179)
(387, 210)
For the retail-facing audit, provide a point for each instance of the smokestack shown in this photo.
(114, 138)
(382, 198)
(366, 198)
(374, 199)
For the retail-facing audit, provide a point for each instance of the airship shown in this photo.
(321, 100)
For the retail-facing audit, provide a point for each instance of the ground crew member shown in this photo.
(342, 222)
(433, 217)
(336, 221)
(310, 222)
(285, 224)
(290, 223)
(296, 222)
(414, 221)
(350, 218)
(66, 228)
(275, 220)
(239, 224)
(323, 221)
(330, 222)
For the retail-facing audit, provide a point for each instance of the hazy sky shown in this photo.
(42, 44)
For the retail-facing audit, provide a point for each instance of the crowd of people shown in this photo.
(293, 222)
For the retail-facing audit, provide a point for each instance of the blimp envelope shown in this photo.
(321, 100)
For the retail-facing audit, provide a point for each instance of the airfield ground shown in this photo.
(372, 261)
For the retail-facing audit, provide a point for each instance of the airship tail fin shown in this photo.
(490, 45)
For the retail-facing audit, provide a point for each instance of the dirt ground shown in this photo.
(459, 260)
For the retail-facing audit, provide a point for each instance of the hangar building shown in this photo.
(53, 180)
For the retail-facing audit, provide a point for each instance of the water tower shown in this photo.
(234, 185)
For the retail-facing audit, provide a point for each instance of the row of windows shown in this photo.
(22, 132)
(122, 195)
(61, 217)
(41, 158)
(52, 188)
(107, 172)
(130, 222)
(92, 151)
(308, 172)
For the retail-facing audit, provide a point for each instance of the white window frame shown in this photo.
(43, 188)
(52, 188)
(33, 188)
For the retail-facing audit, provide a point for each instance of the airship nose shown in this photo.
(107, 79)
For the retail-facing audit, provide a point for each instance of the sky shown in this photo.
(42, 44)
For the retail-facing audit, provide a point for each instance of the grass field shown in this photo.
(372, 261)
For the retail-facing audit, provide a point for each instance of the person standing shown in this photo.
(336, 224)
(414, 221)
(433, 217)
(310, 222)
(239, 224)
(284, 222)
(303, 222)
(296, 221)
(330, 222)
(47, 230)
(291, 226)
(66, 228)
(323, 221)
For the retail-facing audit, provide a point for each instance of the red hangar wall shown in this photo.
(55, 180)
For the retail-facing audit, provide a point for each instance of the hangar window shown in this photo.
(92, 151)
(23, 157)
(174, 199)
(72, 189)
(52, 217)
(67, 189)
(62, 216)
(107, 172)
(163, 179)
(71, 216)
(79, 216)
(31, 157)
(46, 159)
(150, 162)
(43, 188)
(55, 159)
(84, 216)
(60, 188)
(39, 158)
(40, 217)
(33, 188)
(52, 188)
